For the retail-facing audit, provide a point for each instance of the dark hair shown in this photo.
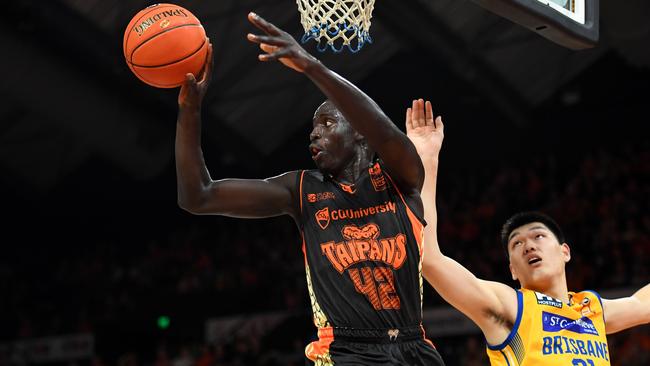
(524, 218)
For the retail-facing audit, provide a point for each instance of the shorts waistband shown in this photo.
(387, 335)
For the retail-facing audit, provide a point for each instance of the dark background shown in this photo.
(94, 241)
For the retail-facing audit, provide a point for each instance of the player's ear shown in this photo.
(566, 252)
(512, 272)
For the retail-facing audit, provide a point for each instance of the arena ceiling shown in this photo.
(68, 97)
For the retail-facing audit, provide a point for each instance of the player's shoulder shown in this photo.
(286, 178)
(313, 174)
(585, 297)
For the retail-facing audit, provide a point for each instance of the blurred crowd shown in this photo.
(116, 284)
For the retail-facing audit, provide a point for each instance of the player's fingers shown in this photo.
(409, 121)
(267, 48)
(428, 114)
(207, 74)
(418, 113)
(190, 79)
(272, 40)
(414, 108)
(262, 24)
(277, 54)
(439, 125)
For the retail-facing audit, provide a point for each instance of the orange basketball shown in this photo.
(162, 43)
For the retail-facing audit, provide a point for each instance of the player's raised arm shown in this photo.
(626, 312)
(491, 305)
(197, 192)
(365, 116)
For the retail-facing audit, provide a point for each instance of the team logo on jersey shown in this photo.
(586, 307)
(350, 188)
(364, 244)
(555, 323)
(352, 232)
(320, 196)
(378, 180)
(323, 217)
(547, 300)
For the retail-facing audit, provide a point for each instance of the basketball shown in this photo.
(164, 42)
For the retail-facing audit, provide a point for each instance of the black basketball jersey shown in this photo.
(362, 247)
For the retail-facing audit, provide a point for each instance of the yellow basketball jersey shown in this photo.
(548, 332)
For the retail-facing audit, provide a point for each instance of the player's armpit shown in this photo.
(491, 305)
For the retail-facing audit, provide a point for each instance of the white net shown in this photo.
(336, 23)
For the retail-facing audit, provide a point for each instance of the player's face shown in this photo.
(333, 140)
(537, 259)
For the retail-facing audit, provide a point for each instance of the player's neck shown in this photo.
(556, 288)
(358, 165)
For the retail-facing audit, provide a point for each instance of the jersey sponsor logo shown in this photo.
(364, 244)
(320, 196)
(547, 300)
(555, 323)
(377, 178)
(559, 345)
(323, 217)
(342, 214)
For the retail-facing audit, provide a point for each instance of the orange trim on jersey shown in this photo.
(424, 335)
(320, 349)
(304, 247)
(301, 176)
(416, 223)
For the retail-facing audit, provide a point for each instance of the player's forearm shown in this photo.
(367, 118)
(192, 176)
(643, 296)
(359, 109)
(429, 189)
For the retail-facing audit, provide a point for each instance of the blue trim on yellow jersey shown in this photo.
(601, 302)
(505, 358)
(515, 327)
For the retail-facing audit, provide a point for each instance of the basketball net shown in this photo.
(336, 24)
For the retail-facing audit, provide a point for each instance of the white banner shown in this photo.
(50, 349)
(223, 329)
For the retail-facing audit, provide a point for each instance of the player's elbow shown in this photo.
(645, 314)
(187, 206)
(431, 266)
(193, 206)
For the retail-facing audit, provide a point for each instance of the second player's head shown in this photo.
(536, 249)
(334, 144)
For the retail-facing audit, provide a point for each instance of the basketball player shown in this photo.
(359, 213)
(542, 323)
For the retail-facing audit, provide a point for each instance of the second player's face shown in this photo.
(332, 139)
(537, 259)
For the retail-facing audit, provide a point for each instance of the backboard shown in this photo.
(570, 23)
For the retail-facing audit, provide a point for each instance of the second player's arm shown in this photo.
(627, 312)
(491, 305)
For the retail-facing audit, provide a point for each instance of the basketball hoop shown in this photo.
(336, 23)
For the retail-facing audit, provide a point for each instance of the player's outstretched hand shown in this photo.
(279, 45)
(193, 91)
(425, 131)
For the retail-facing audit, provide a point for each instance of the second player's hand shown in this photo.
(423, 130)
